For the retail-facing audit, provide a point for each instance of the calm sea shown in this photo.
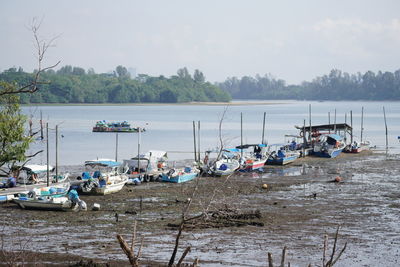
(170, 127)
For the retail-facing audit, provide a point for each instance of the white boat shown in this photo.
(253, 160)
(37, 174)
(108, 177)
(329, 146)
(224, 167)
(45, 203)
(147, 167)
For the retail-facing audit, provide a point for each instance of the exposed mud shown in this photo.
(299, 206)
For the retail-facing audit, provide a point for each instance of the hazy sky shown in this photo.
(292, 40)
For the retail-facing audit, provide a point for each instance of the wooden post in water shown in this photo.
(309, 136)
(263, 130)
(47, 153)
(198, 138)
(56, 153)
(241, 134)
(362, 124)
(335, 122)
(351, 124)
(116, 147)
(386, 130)
(194, 141)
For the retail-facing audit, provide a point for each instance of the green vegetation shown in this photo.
(14, 142)
(335, 86)
(75, 85)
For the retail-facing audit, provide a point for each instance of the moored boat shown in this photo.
(180, 175)
(282, 155)
(120, 127)
(108, 177)
(329, 146)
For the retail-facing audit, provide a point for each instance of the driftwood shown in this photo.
(332, 259)
(130, 251)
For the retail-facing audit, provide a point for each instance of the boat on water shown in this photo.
(118, 127)
(105, 177)
(147, 167)
(329, 146)
(254, 159)
(283, 154)
(180, 175)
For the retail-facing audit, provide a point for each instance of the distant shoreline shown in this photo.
(236, 103)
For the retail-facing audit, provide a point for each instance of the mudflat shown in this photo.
(239, 219)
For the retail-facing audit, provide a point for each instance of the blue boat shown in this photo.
(282, 156)
(329, 146)
(180, 175)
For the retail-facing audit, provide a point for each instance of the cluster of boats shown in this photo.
(105, 176)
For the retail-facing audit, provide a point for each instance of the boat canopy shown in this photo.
(335, 136)
(152, 155)
(102, 163)
(35, 168)
(250, 145)
(325, 127)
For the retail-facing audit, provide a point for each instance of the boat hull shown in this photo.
(329, 154)
(281, 161)
(58, 204)
(179, 178)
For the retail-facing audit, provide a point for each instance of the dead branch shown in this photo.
(270, 263)
(134, 261)
(41, 47)
(187, 250)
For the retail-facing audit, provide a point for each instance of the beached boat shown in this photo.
(46, 198)
(147, 167)
(37, 174)
(255, 159)
(224, 167)
(108, 177)
(180, 175)
(329, 146)
(358, 147)
(119, 127)
(282, 155)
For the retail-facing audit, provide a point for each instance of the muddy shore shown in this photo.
(299, 206)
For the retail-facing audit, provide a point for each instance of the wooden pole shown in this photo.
(309, 136)
(194, 141)
(345, 128)
(56, 153)
(335, 122)
(138, 152)
(116, 147)
(41, 126)
(386, 130)
(241, 134)
(198, 139)
(362, 124)
(304, 138)
(47, 153)
(351, 122)
(329, 120)
(263, 130)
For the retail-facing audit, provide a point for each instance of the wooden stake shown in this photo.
(386, 130)
(194, 141)
(263, 130)
(116, 147)
(47, 147)
(56, 153)
(270, 263)
(241, 134)
(351, 122)
(362, 122)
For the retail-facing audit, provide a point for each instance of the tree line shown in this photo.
(337, 85)
(76, 85)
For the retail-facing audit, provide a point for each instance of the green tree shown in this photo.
(13, 140)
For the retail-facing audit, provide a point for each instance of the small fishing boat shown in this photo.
(358, 147)
(46, 198)
(282, 155)
(329, 146)
(255, 159)
(226, 165)
(119, 127)
(180, 175)
(147, 167)
(37, 174)
(108, 177)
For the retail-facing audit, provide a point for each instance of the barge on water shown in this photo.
(116, 127)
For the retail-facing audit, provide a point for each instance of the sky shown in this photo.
(291, 40)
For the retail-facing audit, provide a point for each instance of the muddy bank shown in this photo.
(299, 206)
